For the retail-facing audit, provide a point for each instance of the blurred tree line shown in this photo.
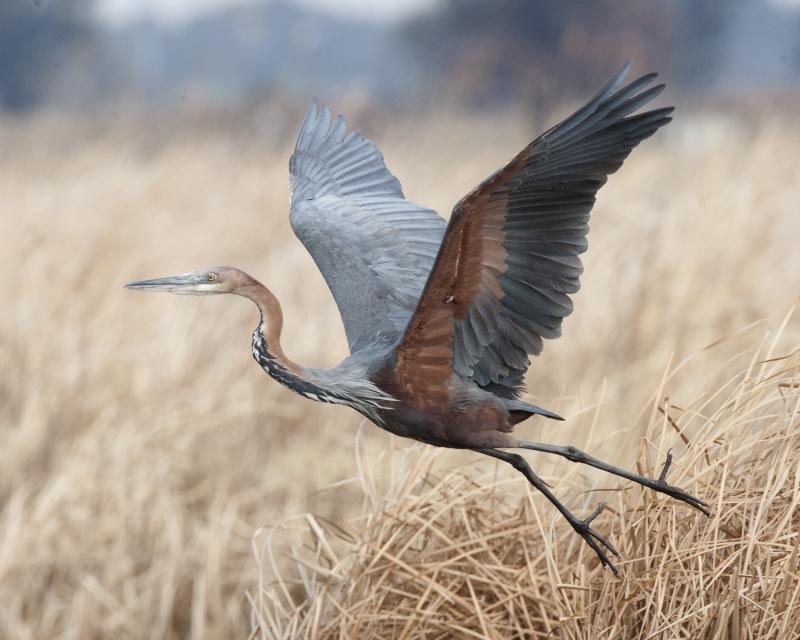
(36, 37)
(537, 50)
(480, 52)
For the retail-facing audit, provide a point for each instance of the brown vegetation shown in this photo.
(452, 555)
(143, 449)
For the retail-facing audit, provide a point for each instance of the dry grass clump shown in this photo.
(140, 445)
(451, 555)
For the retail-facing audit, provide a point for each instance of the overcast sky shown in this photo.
(120, 11)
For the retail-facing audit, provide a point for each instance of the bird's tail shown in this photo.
(520, 411)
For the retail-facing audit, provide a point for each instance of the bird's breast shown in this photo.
(459, 415)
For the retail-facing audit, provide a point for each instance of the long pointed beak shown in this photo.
(172, 284)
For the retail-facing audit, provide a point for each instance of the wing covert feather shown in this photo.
(373, 247)
(509, 259)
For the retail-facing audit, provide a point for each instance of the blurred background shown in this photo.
(86, 54)
(142, 449)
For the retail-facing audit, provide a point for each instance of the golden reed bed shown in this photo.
(454, 555)
(145, 457)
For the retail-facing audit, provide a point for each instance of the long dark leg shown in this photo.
(659, 484)
(593, 539)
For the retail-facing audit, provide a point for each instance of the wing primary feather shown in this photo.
(509, 259)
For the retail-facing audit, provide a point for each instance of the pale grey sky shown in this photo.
(120, 11)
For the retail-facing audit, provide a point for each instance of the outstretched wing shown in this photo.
(509, 258)
(374, 248)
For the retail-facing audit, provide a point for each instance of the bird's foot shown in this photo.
(594, 539)
(661, 486)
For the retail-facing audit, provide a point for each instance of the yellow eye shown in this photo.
(212, 277)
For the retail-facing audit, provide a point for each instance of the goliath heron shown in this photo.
(441, 317)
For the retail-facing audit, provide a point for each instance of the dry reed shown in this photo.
(142, 447)
(449, 555)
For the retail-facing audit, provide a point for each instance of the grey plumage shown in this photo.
(346, 384)
(373, 247)
(549, 200)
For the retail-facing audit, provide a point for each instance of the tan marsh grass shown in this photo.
(438, 554)
(142, 449)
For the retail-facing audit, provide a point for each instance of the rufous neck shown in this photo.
(271, 320)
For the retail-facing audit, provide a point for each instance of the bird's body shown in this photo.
(469, 417)
(364, 381)
(441, 318)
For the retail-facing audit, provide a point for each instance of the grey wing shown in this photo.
(532, 217)
(373, 247)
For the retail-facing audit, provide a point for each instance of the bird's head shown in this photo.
(202, 282)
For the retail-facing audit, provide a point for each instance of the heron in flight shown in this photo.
(441, 317)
